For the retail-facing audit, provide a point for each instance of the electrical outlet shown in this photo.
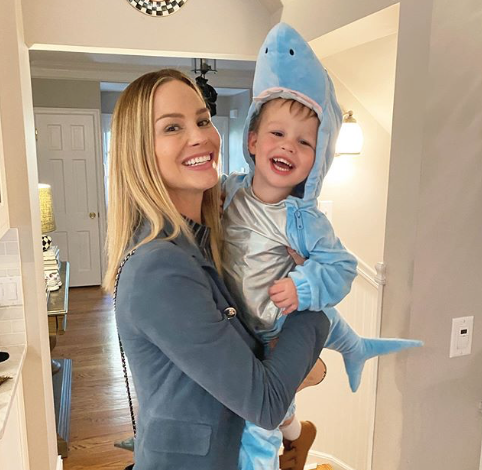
(461, 337)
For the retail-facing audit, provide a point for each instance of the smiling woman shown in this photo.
(198, 370)
(186, 146)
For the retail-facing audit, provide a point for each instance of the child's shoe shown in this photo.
(301, 446)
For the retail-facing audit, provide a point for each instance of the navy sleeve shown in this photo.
(176, 311)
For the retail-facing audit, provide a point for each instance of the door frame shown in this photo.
(99, 170)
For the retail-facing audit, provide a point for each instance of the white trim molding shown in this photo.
(321, 457)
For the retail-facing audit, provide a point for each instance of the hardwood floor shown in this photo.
(100, 411)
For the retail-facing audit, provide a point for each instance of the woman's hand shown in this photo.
(298, 259)
(284, 295)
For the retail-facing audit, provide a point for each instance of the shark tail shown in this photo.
(356, 350)
(369, 348)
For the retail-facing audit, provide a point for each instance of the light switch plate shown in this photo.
(10, 291)
(461, 337)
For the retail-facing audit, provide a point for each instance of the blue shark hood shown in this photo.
(288, 68)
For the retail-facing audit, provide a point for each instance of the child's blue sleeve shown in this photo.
(325, 278)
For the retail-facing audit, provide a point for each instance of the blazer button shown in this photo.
(229, 313)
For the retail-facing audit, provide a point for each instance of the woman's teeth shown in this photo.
(281, 164)
(198, 160)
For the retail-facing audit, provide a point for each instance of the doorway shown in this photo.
(68, 142)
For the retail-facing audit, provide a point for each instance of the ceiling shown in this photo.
(368, 72)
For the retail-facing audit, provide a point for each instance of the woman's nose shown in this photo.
(197, 136)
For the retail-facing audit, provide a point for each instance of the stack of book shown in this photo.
(52, 260)
(51, 269)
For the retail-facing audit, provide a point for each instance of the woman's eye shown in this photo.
(171, 128)
(204, 122)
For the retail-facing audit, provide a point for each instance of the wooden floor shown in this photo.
(100, 411)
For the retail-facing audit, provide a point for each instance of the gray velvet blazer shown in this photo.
(199, 375)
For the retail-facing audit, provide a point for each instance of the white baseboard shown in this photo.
(60, 464)
(318, 458)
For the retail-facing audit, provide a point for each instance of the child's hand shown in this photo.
(283, 294)
(297, 258)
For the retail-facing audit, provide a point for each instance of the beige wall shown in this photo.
(427, 413)
(358, 185)
(218, 28)
(16, 110)
(82, 94)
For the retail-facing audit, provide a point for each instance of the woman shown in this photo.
(197, 368)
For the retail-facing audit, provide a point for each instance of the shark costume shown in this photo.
(256, 234)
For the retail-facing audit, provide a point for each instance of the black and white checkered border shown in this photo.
(162, 8)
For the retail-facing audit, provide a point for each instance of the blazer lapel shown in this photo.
(193, 250)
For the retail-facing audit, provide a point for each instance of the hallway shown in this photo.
(100, 411)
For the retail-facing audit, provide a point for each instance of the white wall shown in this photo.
(200, 27)
(12, 318)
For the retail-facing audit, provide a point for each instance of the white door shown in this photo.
(66, 152)
(221, 123)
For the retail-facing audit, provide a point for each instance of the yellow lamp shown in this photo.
(47, 217)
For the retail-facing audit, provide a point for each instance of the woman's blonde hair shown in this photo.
(136, 189)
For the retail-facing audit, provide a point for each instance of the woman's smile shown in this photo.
(199, 162)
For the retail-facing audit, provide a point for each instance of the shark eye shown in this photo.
(266, 51)
(292, 52)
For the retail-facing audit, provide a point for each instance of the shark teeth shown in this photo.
(277, 160)
(197, 160)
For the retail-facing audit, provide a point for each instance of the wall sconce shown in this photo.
(350, 139)
(47, 217)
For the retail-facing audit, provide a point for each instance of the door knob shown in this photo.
(92, 215)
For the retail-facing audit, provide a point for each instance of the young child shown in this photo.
(290, 136)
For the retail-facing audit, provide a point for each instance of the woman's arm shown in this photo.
(173, 305)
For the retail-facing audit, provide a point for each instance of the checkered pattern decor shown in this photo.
(163, 8)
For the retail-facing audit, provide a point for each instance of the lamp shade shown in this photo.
(350, 139)
(47, 217)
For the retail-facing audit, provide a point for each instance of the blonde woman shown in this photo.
(198, 369)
